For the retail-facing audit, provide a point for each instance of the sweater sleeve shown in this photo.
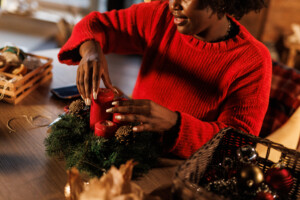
(124, 31)
(244, 109)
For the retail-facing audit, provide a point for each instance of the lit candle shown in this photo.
(105, 129)
(99, 106)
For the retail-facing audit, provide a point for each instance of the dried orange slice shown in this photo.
(21, 70)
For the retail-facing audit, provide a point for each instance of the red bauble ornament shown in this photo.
(264, 196)
(66, 109)
(105, 129)
(211, 175)
(232, 173)
(280, 179)
(99, 106)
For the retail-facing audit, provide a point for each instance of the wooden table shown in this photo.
(26, 172)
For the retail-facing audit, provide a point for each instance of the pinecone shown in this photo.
(124, 134)
(76, 107)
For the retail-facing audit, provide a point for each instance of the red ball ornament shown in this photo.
(264, 196)
(280, 179)
(105, 129)
(66, 109)
(211, 175)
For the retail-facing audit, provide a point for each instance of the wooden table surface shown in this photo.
(26, 172)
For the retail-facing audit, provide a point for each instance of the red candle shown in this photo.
(115, 119)
(99, 106)
(105, 129)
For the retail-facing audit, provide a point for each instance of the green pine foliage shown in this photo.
(71, 139)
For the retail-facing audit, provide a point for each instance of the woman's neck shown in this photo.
(218, 31)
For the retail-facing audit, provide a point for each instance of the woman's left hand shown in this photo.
(153, 117)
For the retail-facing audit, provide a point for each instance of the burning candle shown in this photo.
(105, 129)
(99, 106)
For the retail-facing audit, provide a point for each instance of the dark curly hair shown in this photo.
(236, 8)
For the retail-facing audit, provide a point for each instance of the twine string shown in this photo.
(2, 78)
(30, 120)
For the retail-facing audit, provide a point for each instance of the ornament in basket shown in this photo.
(228, 167)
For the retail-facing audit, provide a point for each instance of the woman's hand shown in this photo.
(91, 69)
(153, 117)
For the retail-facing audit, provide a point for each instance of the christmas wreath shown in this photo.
(72, 139)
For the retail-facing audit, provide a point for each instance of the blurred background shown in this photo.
(44, 24)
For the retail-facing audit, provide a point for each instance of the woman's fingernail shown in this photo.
(82, 97)
(87, 102)
(134, 129)
(109, 110)
(118, 117)
(116, 91)
(95, 95)
(114, 103)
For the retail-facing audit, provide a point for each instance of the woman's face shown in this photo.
(190, 18)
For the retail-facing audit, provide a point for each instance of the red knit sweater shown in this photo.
(212, 85)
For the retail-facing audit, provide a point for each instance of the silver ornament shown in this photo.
(247, 154)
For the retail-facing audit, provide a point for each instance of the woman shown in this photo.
(202, 71)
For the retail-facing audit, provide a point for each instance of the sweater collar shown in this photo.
(225, 45)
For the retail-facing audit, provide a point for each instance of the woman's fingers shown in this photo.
(92, 67)
(136, 102)
(96, 79)
(80, 83)
(143, 127)
(143, 110)
(86, 80)
(151, 116)
(132, 118)
(107, 81)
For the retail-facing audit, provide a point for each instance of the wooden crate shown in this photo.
(19, 87)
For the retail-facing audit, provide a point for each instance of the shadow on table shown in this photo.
(12, 163)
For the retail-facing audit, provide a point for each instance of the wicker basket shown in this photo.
(224, 144)
(14, 91)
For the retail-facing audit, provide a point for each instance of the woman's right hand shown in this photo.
(92, 67)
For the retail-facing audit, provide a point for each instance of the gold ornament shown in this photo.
(251, 176)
